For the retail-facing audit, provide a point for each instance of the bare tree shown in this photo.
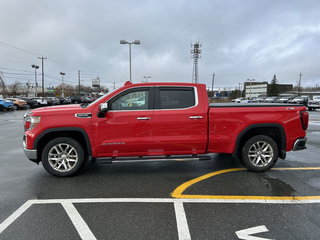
(3, 85)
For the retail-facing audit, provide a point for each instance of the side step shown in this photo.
(169, 158)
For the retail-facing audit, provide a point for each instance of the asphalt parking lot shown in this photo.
(213, 199)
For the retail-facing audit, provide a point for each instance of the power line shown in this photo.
(14, 69)
(19, 49)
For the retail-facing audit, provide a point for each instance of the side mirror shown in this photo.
(104, 107)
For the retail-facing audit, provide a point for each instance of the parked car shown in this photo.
(63, 101)
(241, 100)
(41, 101)
(19, 103)
(260, 99)
(6, 105)
(87, 99)
(284, 99)
(254, 100)
(177, 120)
(300, 100)
(32, 103)
(53, 101)
(270, 99)
(314, 104)
(76, 99)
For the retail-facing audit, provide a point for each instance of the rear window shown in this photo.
(176, 97)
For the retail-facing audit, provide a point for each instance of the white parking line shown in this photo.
(182, 224)
(14, 216)
(78, 222)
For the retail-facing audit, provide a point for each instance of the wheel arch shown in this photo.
(273, 130)
(76, 133)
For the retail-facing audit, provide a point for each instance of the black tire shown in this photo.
(2, 108)
(63, 141)
(266, 157)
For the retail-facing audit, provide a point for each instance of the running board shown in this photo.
(178, 158)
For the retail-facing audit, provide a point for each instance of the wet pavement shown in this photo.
(158, 215)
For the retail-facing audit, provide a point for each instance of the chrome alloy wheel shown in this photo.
(260, 154)
(62, 157)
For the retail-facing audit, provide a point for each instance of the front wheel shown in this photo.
(260, 153)
(62, 157)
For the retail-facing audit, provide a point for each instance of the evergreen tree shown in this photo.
(273, 87)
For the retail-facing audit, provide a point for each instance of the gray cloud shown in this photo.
(241, 39)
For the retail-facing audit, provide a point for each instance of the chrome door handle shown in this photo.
(143, 118)
(195, 117)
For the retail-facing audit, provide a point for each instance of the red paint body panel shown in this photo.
(167, 132)
(226, 124)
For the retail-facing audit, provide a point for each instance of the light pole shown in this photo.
(35, 78)
(62, 86)
(146, 77)
(137, 42)
(250, 81)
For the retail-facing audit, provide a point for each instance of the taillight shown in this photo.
(304, 117)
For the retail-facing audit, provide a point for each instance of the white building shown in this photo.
(256, 90)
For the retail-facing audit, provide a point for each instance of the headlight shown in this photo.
(30, 122)
(34, 121)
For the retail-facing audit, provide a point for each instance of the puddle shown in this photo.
(277, 187)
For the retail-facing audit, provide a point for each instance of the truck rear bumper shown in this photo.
(299, 144)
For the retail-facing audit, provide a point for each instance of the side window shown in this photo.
(176, 97)
(133, 100)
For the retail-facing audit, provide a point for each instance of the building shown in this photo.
(257, 89)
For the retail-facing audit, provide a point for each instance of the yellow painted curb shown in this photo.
(178, 192)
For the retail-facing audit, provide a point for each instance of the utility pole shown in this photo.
(42, 58)
(79, 82)
(299, 84)
(213, 75)
(114, 85)
(240, 93)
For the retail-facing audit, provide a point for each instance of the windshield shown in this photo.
(98, 99)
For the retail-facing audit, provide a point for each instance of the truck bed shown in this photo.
(226, 105)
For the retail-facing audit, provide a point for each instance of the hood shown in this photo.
(52, 109)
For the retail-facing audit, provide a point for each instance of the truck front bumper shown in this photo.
(31, 154)
(299, 144)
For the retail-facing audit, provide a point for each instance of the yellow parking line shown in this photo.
(178, 192)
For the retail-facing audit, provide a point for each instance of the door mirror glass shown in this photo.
(104, 107)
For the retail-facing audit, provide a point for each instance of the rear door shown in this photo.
(179, 122)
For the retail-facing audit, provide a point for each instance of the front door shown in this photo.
(126, 128)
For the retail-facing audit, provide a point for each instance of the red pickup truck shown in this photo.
(161, 122)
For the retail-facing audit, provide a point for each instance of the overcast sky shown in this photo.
(240, 39)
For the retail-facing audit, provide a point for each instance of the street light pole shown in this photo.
(62, 86)
(35, 78)
(137, 42)
(42, 58)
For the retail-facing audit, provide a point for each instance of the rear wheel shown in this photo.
(63, 157)
(1, 108)
(260, 153)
